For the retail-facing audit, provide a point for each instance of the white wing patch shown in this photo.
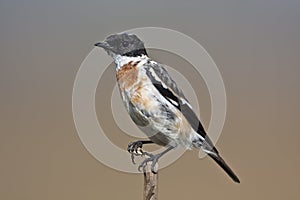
(154, 75)
(173, 102)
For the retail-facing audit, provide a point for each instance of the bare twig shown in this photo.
(150, 183)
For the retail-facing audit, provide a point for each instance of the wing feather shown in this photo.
(169, 89)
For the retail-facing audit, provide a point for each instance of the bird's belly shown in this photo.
(156, 117)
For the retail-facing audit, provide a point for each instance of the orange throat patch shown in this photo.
(127, 75)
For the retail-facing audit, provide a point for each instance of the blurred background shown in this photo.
(255, 44)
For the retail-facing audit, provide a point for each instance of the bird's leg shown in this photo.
(154, 158)
(135, 149)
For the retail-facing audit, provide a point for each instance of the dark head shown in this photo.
(123, 44)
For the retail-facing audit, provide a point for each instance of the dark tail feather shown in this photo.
(224, 166)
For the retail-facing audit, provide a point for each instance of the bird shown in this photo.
(155, 103)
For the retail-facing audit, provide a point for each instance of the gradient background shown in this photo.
(255, 44)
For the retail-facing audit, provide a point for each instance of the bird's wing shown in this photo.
(171, 92)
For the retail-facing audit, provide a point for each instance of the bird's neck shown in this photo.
(121, 61)
(136, 52)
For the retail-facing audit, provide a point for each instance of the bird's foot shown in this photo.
(151, 158)
(135, 149)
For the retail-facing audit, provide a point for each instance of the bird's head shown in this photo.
(123, 44)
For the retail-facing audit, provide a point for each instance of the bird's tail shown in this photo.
(216, 157)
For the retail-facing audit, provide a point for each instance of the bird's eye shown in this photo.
(125, 44)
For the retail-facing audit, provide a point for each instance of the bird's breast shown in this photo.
(148, 108)
(127, 76)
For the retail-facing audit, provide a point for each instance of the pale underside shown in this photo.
(155, 115)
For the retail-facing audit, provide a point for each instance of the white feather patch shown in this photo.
(120, 61)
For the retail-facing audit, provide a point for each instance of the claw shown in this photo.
(143, 164)
(135, 149)
(132, 158)
(152, 158)
(153, 166)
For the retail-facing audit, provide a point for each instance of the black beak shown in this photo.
(103, 45)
